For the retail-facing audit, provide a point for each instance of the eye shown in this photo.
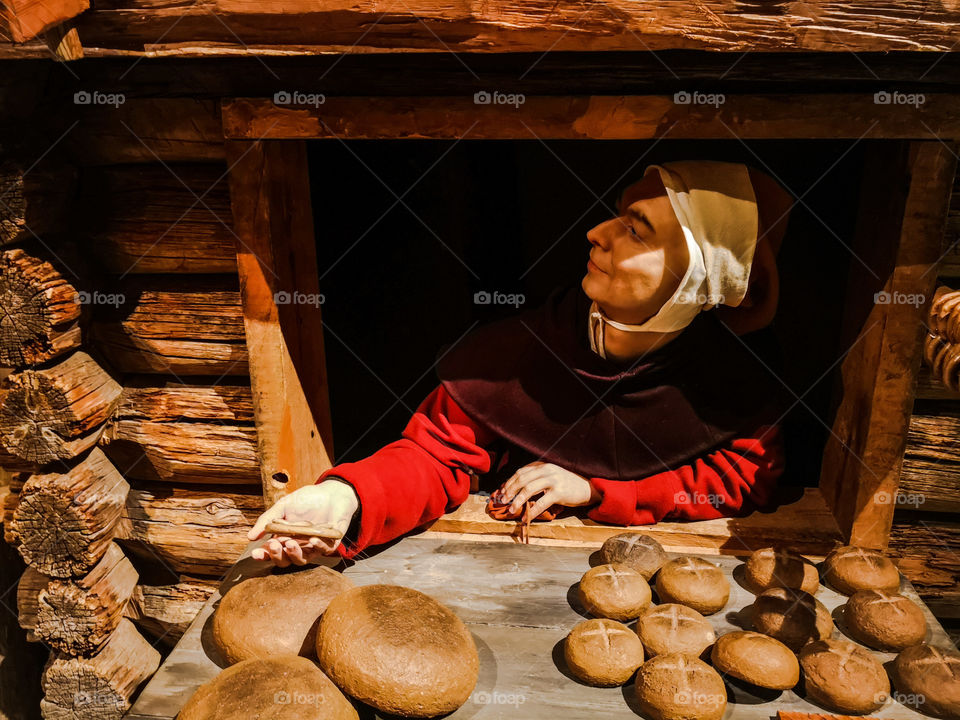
(633, 231)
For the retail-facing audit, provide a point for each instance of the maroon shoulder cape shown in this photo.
(533, 380)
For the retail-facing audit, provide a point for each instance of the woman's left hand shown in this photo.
(559, 486)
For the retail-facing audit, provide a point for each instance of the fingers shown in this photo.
(519, 479)
(542, 504)
(275, 512)
(274, 548)
(529, 490)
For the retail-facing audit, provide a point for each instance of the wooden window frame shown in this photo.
(903, 200)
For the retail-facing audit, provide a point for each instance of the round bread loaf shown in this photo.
(884, 621)
(693, 582)
(397, 649)
(674, 628)
(274, 614)
(768, 568)
(603, 652)
(791, 616)
(284, 687)
(679, 687)
(928, 679)
(614, 591)
(636, 550)
(842, 676)
(757, 659)
(849, 569)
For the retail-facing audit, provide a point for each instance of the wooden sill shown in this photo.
(804, 524)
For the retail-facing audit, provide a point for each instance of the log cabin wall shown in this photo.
(127, 421)
(926, 532)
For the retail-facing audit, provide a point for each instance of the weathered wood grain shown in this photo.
(64, 521)
(170, 218)
(98, 687)
(175, 325)
(56, 412)
(597, 117)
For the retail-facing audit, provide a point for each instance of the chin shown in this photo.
(589, 285)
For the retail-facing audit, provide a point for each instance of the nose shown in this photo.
(602, 233)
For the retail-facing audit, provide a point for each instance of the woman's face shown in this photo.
(638, 259)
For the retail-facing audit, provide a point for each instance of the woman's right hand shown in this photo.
(330, 502)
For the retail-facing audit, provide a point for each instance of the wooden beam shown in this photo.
(254, 27)
(803, 524)
(29, 18)
(903, 206)
(279, 291)
(598, 117)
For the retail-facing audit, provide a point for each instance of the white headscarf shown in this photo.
(717, 209)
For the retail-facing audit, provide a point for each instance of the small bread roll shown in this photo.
(791, 616)
(275, 614)
(768, 568)
(614, 591)
(849, 569)
(884, 621)
(674, 628)
(399, 650)
(842, 676)
(757, 659)
(693, 582)
(679, 687)
(285, 687)
(930, 677)
(603, 652)
(636, 550)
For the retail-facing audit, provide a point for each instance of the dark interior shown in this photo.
(399, 276)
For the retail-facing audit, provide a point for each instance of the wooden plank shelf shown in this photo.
(519, 601)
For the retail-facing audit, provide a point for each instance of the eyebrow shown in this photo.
(633, 212)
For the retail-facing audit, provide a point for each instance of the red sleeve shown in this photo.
(418, 478)
(714, 486)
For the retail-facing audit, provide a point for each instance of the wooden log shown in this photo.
(64, 41)
(303, 27)
(77, 617)
(32, 199)
(9, 499)
(165, 611)
(41, 311)
(27, 19)
(930, 478)
(184, 452)
(185, 433)
(194, 530)
(31, 584)
(64, 521)
(99, 687)
(276, 257)
(926, 548)
(162, 400)
(57, 412)
(897, 244)
(160, 219)
(179, 326)
(585, 117)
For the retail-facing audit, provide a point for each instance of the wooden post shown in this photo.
(279, 290)
(903, 207)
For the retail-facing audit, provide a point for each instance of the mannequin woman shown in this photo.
(620, 395)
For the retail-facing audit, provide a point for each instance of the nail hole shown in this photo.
(280, 477)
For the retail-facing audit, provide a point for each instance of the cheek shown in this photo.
(638, 274)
